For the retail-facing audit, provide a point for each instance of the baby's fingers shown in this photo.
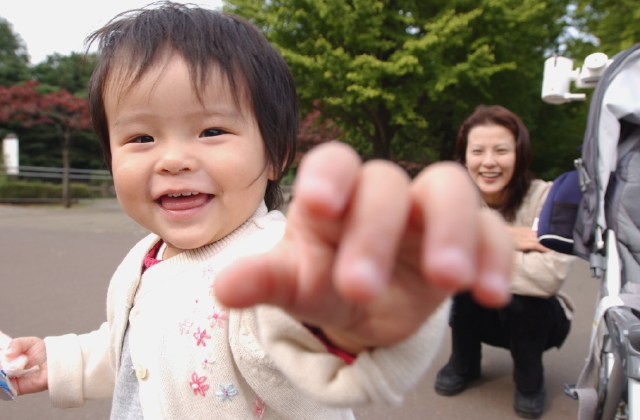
(445, 207)
(18, 346)
(33, 347)
(374, 225)
(324, 185)
(495, 262)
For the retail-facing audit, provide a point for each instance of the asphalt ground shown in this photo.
(55, 266)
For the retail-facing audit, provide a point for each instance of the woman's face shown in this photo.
(491, 160)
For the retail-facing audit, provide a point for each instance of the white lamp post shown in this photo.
(10, 153)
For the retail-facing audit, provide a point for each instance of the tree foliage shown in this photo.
(70, 72)
(314, 130)
(39, 143)
(399, 76)
(67, 114)
(613, 22)
(13, 56)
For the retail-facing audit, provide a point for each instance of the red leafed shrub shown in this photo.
(313, 131)
(25, 105)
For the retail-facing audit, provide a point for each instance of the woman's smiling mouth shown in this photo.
(490, 174)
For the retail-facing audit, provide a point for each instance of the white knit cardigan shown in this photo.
(196, 359)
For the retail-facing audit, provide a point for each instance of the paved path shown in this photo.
(55, 265)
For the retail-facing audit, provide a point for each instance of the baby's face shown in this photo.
(188, 171)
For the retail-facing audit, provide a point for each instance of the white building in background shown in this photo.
(10, 153)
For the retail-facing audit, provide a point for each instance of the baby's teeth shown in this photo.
(187, 194)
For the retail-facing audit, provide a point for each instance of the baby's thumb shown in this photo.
(265, 278)
(13, 350)
(18, 346)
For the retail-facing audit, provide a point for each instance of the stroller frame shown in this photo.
(609, 385)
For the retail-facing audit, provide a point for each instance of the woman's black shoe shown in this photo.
(529, 406)
(449, 383)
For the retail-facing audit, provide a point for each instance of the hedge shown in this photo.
(43, 190)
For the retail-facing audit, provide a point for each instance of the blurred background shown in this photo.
(393, 78)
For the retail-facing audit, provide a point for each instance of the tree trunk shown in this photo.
(383, 134)
(66, 196)
(443, 125)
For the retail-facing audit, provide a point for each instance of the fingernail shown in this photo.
(497, 286)
(455, 264)
(369, 276)
(320, 191)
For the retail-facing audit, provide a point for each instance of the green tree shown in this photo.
(399, 76)
(608, 26)
(613, 22)
(14, 59)
(39, 144)
(70, 72)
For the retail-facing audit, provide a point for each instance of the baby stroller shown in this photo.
(606, 231)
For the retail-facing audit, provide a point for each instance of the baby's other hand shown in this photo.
(34, 349)
(369, 255)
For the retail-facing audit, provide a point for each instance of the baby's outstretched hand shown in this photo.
(35, 351)
(369, 255)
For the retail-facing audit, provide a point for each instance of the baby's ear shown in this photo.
(274, 174)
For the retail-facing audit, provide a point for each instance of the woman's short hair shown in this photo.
(207, 40)
(520, 182)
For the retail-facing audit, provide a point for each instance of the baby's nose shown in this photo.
(177, 159)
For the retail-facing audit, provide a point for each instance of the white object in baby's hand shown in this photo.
(16, 367)
(11, 369)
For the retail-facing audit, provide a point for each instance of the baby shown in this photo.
(226, 310)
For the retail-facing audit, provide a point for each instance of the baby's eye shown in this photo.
(211, 132)
(142, 139)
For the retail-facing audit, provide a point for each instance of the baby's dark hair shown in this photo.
(136, 40)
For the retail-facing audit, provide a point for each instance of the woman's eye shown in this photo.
(211, 132)
(142, 139)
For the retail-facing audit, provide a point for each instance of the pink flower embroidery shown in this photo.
(185, 326)
(198, 385)
(208, 361)
(200, 336)
(259, 407)
(206, 273)
(218, 318)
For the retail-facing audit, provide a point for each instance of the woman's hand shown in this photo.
(369, 255)
(526, 239)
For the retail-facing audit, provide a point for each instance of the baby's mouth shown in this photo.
(184, 201)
